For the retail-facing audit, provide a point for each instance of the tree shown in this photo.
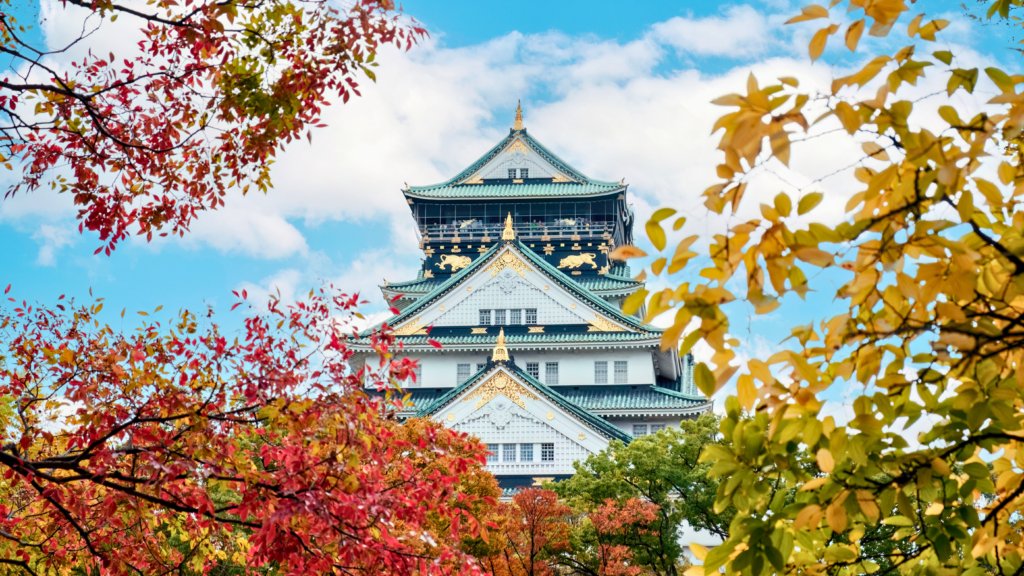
(662, 470)
(529, 532)
(214, 90)
(180, 449)
(929, 257)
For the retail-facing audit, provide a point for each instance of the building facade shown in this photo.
(536, 357)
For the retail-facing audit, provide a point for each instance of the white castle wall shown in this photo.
(575, 368)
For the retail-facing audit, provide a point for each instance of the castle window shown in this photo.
(657, 428)
(499, 317)
(533, 369)
(485, 317)
(547, 452)
(639, 430)
(601, 372)
(531, 316)
(492, 452)
(621, 371)
(461, 373)
(508, 452)
(526, 452)
(551, 373)
(524, 172)
(515, 316)
(511, 173)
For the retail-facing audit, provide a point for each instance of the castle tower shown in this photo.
(537, 358)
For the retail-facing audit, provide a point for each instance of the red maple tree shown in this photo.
(179, 448)
(144, 142)
(531, 531)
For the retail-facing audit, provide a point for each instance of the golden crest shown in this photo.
(501, 384)
(507, 260)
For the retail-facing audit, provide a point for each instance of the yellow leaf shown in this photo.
(808, 517)
(783, 204)
(934, 509)
(825, 461)
(813, 484)
(818, 41)
(699, 552)
(810, 12)
(874, 150)
(853, 34)
(626, 252)
(808, 202)
(835, 514)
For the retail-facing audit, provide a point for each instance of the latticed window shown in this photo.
(601, 372)
(511, 173)
(657, 428)
(492, 452)
(499, 317)
(524, 172)
(639, 430)
(515, 316)
(531, 315)
(526, 452)
(485, 317)
(621, 371)
(551, 372)
(547, 452)
(508, 452)
(533, 369)
(461, 373)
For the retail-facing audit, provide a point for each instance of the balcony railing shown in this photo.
(474, 231)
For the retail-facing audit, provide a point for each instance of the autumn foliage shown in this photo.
(145, 141)
(179, 448)
(925, 262)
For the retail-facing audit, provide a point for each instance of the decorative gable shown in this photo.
(512, 160)
(503, 404)
(507, 280)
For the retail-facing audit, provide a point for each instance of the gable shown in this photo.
(501, 405)
(508, 281)
(516, 154)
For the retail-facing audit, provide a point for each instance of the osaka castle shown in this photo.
(536, 359)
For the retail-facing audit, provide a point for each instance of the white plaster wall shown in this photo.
(575, 368)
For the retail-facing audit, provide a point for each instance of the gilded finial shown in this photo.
(509, 233)
(518, 125)
(500, 353)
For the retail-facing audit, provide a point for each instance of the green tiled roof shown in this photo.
(506, 191)
(596, 422)
(487, 340)
(605, 283)
(617, 397)
(581, 186)
(598, 397)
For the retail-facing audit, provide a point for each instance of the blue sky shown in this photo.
(619, 90)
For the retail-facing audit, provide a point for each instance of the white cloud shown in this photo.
(741, 31)
(51, 239)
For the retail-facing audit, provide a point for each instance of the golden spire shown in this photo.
(518, 125)
(509, 233)
(500, 353)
